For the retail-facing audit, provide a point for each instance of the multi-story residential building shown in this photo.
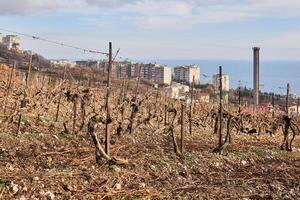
(12, 41)
(186, 74)
(225, 82)
(135, 70)
(123, 69)
(150, 72)
(127, 70)
(162, 75)
(157, 73)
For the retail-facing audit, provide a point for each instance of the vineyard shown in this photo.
(61, 138)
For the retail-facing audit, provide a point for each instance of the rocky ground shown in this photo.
(35, 165)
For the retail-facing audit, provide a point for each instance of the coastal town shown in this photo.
(178, 81)
(149, 99)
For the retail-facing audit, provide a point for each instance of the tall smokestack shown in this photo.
(256, 75)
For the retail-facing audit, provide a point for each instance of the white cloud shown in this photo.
(26, 6)
(163, 13)
(169, 14)
(29, 7)
(158, 14)
(111, 3)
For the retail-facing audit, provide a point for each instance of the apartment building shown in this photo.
(148, 71)
(163, 75)
(156, 73)
(185, 74)
(123, 69)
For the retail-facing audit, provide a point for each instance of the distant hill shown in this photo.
(22, 58)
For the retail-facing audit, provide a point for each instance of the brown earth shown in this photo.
(45, 162)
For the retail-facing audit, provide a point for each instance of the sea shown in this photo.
(274, 75)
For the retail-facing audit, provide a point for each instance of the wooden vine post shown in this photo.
(191, 105)
(107, 134)
(219, 120)
(221, 106)
(181, 129)
(287, 99)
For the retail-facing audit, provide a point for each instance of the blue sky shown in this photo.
(159, 29)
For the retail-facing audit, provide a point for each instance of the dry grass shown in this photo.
(43, 158)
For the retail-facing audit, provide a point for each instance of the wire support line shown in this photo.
(55, 42)
(116, 55)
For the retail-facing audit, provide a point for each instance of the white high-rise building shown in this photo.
(225, 82)
(187, 73)
(157, 73)
(163, 75)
